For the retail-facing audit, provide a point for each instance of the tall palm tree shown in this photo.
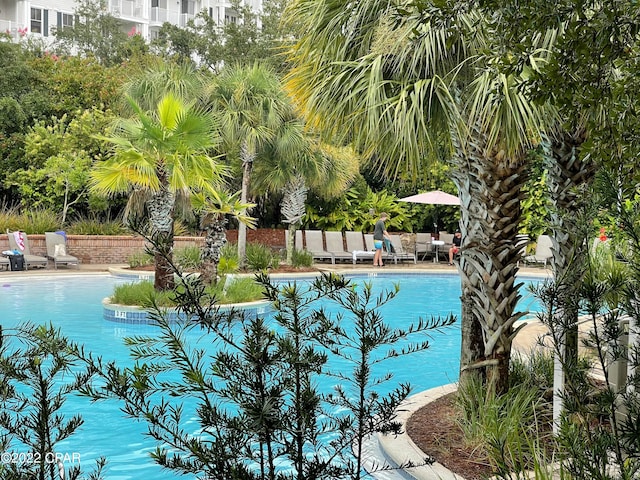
(254, 115)
(157, 156)
(326, 170)
(408, 86)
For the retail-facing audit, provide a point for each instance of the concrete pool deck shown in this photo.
(390, 450)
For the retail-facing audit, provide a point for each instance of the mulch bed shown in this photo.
(434, 430)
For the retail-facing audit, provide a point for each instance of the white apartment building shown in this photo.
(42, 17)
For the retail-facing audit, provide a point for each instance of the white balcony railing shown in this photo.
(127, 8)
(161, 15)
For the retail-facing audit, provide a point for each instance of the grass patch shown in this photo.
(142, 294)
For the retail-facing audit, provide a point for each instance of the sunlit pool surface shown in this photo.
(73, 303)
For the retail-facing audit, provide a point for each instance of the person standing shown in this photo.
(455, 248)
(379, 235)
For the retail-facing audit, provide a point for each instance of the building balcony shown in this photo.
(133, 9)
(162, 15)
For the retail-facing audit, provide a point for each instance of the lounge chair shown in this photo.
(4, 263)
(335, 245)
(20, 242)
(298, 241)
(57, 250)
(315, 246)
(543, 251)
(399, 251)
(370, 245)
(356, 245)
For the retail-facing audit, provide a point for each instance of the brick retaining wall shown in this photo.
(103, 249)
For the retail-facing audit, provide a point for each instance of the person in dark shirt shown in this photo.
(455, 248)
(379, 235)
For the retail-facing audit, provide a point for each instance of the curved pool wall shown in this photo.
(138, 315)
(73, 303)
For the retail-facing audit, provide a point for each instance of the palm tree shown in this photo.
(254, 115)
(324, 169)
(214, 206)
(408, 86)
(158, 156)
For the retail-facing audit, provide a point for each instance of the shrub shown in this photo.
(260, 257)
(97, 226)
(141, 294)
(139, 259)
(240, 290)
(33, 221)
(187, 258)
(302, 258)
(229, 262)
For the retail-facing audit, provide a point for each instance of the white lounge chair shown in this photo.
(543, 251)
(20, 242)
(356, 245)
(315, 246)
(57, 250)
(335, 245)
(298, 241)
(399, 251)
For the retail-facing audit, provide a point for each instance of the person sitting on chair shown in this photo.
(455, 248)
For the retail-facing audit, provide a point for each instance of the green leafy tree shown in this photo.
(159, 155)
(57, 161)
(36, 365)
(95, 32)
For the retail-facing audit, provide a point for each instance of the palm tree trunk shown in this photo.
(214, 240)
(160, 207)
(569, 178)
(490, 194)
(247, 158)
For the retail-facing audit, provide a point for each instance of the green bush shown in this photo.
(236, 290)
(141, 294)
(139, 259)
(239, 290)
(302, 258)
(97, 226)
(33, 221)
(260, 257)
(229, 262)
(510, 429)
(187, 258)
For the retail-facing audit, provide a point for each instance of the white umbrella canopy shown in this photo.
(435, 197)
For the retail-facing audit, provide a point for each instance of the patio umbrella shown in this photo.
(435, 197)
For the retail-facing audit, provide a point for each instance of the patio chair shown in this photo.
(315, 246)
(57, 250)
(423, 245)
(399, 251)
(543, 251)
(4, 263)
(20, 242)
(298, 241)
(357, 247)
(335, 245)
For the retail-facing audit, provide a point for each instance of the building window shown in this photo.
(230, 19)
(65, 20)
(36, 20)
(155, 3)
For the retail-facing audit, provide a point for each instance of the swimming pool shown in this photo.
(73, 303)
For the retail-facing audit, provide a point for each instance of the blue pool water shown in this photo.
(73, 303)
